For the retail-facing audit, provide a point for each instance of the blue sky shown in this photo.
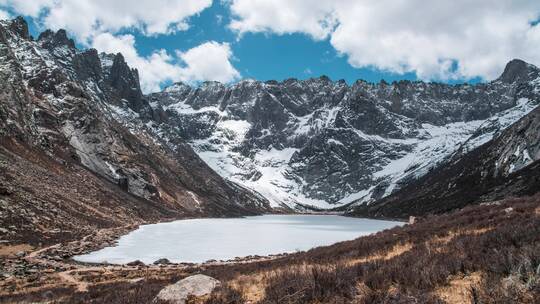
(258, 55)
(229, 40)
(267, 56)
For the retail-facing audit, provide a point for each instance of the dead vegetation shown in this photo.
(480, 254)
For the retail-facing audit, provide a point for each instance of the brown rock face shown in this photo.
(73, 162)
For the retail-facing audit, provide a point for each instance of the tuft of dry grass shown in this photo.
(458, 290)
(480, 254)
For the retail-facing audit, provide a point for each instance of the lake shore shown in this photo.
(201, 240)
(435, 241)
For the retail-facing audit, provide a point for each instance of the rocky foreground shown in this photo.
(481, 254)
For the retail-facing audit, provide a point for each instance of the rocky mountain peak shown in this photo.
(83, 117)
(19, 27)
(213, 86)
(517, 70)
(125, 82)
(177, 87)
(325, 78)
(50, 39)
(324, 143)
(87, 64)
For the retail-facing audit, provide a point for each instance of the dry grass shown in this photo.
(481, 254)
(458, 290)
(395, 251)
(12, 250)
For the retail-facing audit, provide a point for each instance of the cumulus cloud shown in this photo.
(315, 18)
(28, 8)
(4, 15)
(435, 39)
(87, 18)
(97, 23)
(208, 61)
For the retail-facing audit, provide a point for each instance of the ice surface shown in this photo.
(199, 240)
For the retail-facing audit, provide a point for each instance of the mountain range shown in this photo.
(71, 164)
(319, 144)
(81, 147)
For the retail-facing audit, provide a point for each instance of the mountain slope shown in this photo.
(318, 143)
(72, 159)
(504, 167)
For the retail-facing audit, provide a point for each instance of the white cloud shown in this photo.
(28, 8)
(87, 18)
(4, 15)
(208, 61)
(283, 16)
(426, 37)
(96, 23)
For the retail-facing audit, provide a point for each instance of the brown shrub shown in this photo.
(225, 294)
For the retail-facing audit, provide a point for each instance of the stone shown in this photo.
(197, 285)
(5, 191)
(162, 262)
(56, 258)
(136, 263)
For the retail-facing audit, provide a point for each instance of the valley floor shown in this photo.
(481, 254)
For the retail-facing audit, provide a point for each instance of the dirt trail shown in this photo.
(74, 274)
(67, 277)
(35, 257)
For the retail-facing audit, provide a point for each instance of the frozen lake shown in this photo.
(199, 240)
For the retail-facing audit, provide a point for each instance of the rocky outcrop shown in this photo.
(68, 113)
(508, 166)
(319, 143)
(51, 40)
(193, 286)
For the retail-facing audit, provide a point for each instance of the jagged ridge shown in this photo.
(325, 144)
(508, 166)
(81, 164)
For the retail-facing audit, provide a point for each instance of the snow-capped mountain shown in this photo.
(77, 150)
(507, 166)
(312, 143)
(324, 144)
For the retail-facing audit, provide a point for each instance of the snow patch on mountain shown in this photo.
(323, 144)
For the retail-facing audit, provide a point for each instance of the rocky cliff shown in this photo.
(77, 151)
(507, 166)
(323, 144)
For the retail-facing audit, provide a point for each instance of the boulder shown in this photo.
(135, 263)
(197, 285)
(162, 262)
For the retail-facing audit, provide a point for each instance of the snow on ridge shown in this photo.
(322, 118)
(182, 108)
(270, 173)
(443, 142)
(432, 146)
